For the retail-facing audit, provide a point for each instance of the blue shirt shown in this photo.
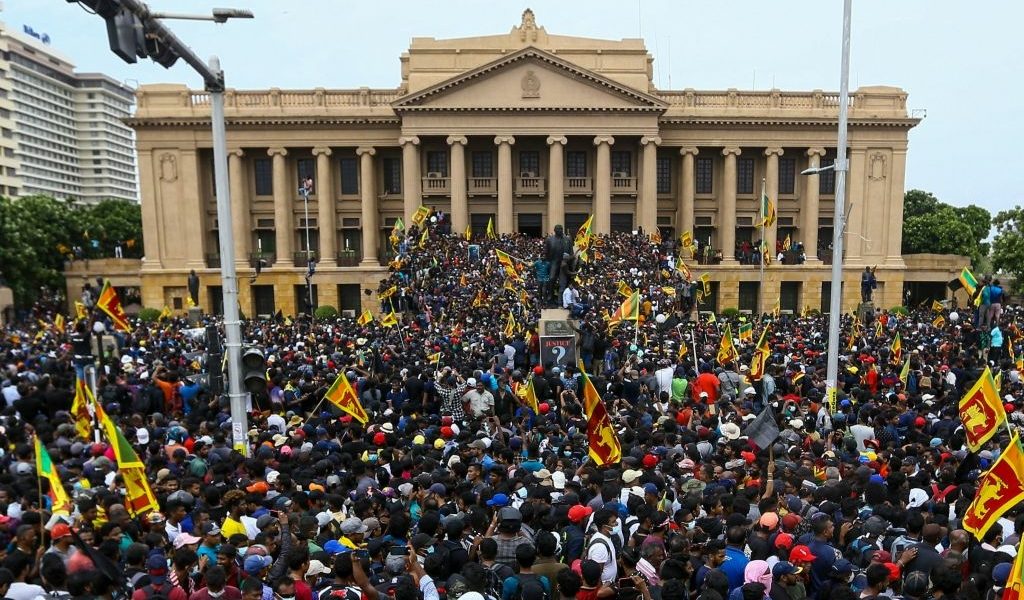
(824, 557)
(735, 563)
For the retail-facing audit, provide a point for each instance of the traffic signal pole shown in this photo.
(166, 51)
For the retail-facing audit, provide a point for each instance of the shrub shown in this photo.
(325, 312)
(730, 313)
(149, 315)
(899, 310)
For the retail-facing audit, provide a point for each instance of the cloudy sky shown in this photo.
(960, 61)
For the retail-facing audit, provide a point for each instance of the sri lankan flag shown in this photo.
(420, 215)
(80, 311)
(624, 290)
(80, 408)
(604, 446)
(58, 323)
(480, 299)
(490, 229)
(759, 362)
(530, 397)
(686, 241)
(45, 469)
(905, 372)
(468, 234)
(939, 322)
(365, 319)
(683, 269)
(981, 411)
(583, 234)
(388, 292)
(342, 395)
(389, 320)
(726, 349)
(505, 260)
(746, 332)
(166, 313)
(434, 358)
(656, 236)
(896, 350)
(968, 281)
(1014, 589)
(705, 282)
(139, 496)
(628, 311)
(510, 325)
(109, 303)
(999, 490)
(424, 238)
(937, 306)
(767, 209)
(683, 349)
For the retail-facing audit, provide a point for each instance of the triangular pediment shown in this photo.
(529, 80)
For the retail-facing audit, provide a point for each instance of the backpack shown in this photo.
(940, 496)
(861, 550)
(496, 576)
(530, 586)
(161, 593)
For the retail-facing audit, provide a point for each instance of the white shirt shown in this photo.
(569, 296)
(604, 555)
(277, 422)
(664, 377)
(24, 591)
(173, 531)
(11, 394)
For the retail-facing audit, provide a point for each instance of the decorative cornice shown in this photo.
(409, 139)
(457, 139)
(370, 150)
(774, 151)
(557, 139)
(317, 151)
(504, 139)
(277, 151)
(530, 52)
(775, 122)
(604, 139)
(732, 150)
(259, 121)
(689, 150)
(650, 139)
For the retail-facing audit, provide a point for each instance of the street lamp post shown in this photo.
(838, 229)
(94, 380)
(310, 265)
(213, 80)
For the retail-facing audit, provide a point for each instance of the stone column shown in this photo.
(647, 212)
(240, 227)
(504, 222)
(556, 181)
(284, 227)
(460, 199)
(687, 187)
(894, 228)
(327, 213)
(810, 209)
(192, 207)
(603, 184)
(727, 207)
(412, 196)
(368, 200)
(855, 198)
(771, 183)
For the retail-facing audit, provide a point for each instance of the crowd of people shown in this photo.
(456, 488)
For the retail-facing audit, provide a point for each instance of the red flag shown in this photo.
(999, 490)
(605, 448)
(109, 303)
(981, 412)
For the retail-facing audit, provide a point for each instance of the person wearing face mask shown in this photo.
(216, 587)
(600, 549)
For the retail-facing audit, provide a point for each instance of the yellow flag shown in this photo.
(624, 290)
(366, 318)
(727, 350)
(531, 397)
(424, 238)
(388, 292)
(389, 320)
(937, 306)
(58, 323)
(490, 229)
(434, 358)
(510, 325)
(469, 232)
(420, 215)
(671, 291)
(342, 395)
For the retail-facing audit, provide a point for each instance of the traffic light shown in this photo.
(130, 38)
(254, 370)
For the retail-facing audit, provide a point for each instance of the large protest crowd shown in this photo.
(477, 474)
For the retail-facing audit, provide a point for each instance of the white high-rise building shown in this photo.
(61, 132)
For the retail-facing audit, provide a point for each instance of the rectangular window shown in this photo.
(306, 169)
(437, 162)
(827, 179)
(664, 175)
(349, 297)
(392, 175)
(744, 176)
(263, 171)
(483, 164)
(349, 176)
(749, 291)
(622, 163)
(787, 175)
(575, 163)
(529, 163)
(705, 175)
(622, 222)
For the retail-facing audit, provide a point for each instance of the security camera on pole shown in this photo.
(134, 32)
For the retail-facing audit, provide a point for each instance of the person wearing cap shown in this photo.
(62, 544)
(352, 531)
(211, 542)
(156, 566)
(786, 582)
(574, 534)
(217, 587)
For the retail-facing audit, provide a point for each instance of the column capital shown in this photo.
(775, 150)
(604, 139)
(650, 139)
(689, 150)
(815, 152)
(409, 139)
(317, 151)
(277, 151)
(457, 139)
(366, 150)
(557, 139)
(731, 150)
(504, 139)
(236, 152)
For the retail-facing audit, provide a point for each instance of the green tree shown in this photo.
(1008, 244)
(931, 226)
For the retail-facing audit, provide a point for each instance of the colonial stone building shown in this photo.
(532, 130)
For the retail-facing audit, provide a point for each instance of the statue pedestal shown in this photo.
(557, 338)
(866, 312)
(195, 314)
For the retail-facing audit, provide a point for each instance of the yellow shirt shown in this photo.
(231, 527)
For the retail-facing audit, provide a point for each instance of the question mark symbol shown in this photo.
(559, 352)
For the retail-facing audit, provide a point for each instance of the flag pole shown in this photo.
(764, 249)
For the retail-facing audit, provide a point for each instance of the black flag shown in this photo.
(763, 430)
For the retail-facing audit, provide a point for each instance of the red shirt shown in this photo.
(302, 590)
(706, 382)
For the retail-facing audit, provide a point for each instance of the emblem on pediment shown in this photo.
(528, 28)
(168, 167)
(530, 85)
(876, 168)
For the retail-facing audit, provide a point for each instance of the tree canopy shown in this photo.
(1008, 244)
(930, 225)
(38, 234)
